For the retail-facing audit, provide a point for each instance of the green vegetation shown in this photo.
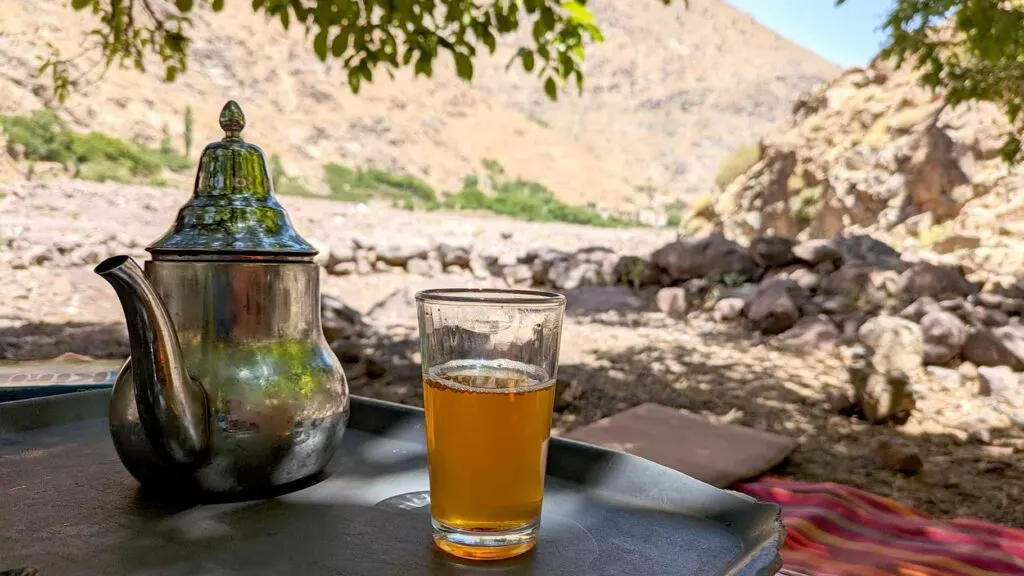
(737, 164)
(283, 182)
(93, 156)
(362, 37)
(355, 185)
(805, 206)
(523, 200)
(516, 198)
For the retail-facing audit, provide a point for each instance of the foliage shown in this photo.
(95, 156)
(805, 206)
(737, 164)
(523, 200)
(362, 35)
(967, 49)
(355, 185)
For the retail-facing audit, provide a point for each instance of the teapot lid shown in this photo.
(233, 212)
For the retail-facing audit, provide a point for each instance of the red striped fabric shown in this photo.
(836, 530)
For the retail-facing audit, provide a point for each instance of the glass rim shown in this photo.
(491, 296)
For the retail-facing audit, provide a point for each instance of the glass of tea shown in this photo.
(489, 359)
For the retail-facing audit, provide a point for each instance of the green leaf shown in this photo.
(353, 81)
(550, 88)
(340, 43)
(79, 4)
(528, 61)
(320, 44)
(424, 65)
(183, 5)
(283, 15)
(218, 5)
(407, 57)
(463, 66)
(578, 12)
(171, 74)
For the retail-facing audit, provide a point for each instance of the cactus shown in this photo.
(188, 131)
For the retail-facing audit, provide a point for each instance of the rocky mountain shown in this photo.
(874, 152)
(671, 92)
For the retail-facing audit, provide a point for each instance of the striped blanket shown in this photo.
(836, 530)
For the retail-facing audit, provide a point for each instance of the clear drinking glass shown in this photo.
(489, 359)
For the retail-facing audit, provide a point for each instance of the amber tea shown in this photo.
(487, 434)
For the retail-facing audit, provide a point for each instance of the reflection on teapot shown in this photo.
(231, 386)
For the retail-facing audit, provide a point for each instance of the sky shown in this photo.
(848, 35)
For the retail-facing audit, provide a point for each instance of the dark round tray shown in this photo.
(67, 506)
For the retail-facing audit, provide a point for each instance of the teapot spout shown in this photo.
(172, 407)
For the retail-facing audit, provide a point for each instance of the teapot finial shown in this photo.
(232, 120)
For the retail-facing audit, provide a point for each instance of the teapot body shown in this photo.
(250, 336)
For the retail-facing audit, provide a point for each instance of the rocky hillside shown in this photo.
(671, 93)
(874, 152)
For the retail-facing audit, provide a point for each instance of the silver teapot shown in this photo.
(231, 387)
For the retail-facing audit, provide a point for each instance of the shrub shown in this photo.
(737, 164)
(43, 134)
(45, 137)
(523, 200)
(358, 185)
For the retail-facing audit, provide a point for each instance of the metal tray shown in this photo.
(68, 507)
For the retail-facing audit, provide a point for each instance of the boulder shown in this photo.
(944, 336)
(818, 252)
(636, 272)
(939, 282)
(728, 309)
(995, 347)
(809, 334)
(872, 252)
(920, 308)
(713, 256)
(899, 455)
(772, 251)
(897, 345)
(999, 381)
(671, 301)
(776, 306)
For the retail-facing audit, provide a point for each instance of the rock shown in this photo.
(995, 347)
(938, 282)
(817, 252)
(776, 307)
(342, 268)
(772, 251)
(636, 272)
(745, 292)
(454, 254)
(728, 309)
(480, 271)
(920, 308)
(398, 253)
(363, 264)
(810, 333)
(944, 336)
(572, 273)
(967, 370)
(713, 256)
(880, 396)
(418, 266)
(898, 455)
(897, 345)
(999, 381)
(981, 316)
(566, 392)
(947, 378)
(595, 299)
(862, 285)
(671, 301)
(868, 250)
(518, 274)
